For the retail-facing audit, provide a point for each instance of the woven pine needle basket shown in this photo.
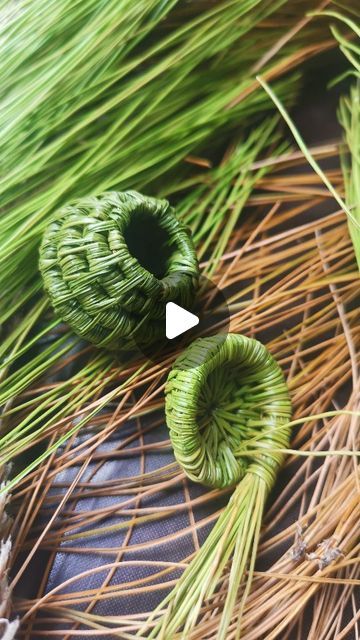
(109, 263)
(224, 396)
(227, 409)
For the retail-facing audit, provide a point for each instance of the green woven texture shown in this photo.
(224, 396)
(109, 263)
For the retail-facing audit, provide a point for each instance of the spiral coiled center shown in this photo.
(110, 263)
(222, 398)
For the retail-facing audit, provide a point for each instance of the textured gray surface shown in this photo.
(68, 565)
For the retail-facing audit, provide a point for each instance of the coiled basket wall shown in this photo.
(110, 263)
(221, 395)
(227, 409)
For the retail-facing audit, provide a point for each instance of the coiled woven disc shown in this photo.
(109, 263)
(223, 397)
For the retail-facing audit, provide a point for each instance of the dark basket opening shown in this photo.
(149, 243)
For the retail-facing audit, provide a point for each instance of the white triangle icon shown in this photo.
(178, 320)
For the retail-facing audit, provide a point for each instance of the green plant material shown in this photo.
(279, 285)
(349, 117)
(231, 185)
(348, 47)
(311, 160)
(26, 418)
(222, 392)
(112, 95)
(110, 263)
(8, 629)
(102, 94)
(59, 403)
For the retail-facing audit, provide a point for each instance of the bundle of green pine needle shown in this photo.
(349, 116)
(157, 96)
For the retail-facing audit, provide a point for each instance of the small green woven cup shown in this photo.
(110, 263)
(224, 397)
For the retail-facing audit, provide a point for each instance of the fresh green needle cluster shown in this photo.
(106, 94)
(349, 117)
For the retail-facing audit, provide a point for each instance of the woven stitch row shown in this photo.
(223, 397)
(97, 286)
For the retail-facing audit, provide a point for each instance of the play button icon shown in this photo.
(179, 326)
(178, 320)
